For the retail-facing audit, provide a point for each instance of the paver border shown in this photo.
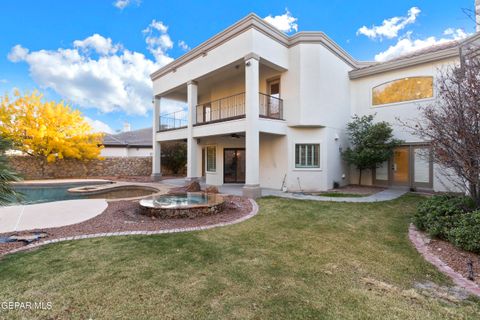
(420, 242)
(35, 245)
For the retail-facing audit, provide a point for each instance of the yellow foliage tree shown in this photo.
(47, 129)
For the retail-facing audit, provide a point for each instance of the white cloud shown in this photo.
(122, 4)
(97, 43)
(114, 79)
(18, 53)
(390, 27)
(407, 44)
(158, 41)
(183, 45)
(3, 81)
(285, 22)
(99, 126)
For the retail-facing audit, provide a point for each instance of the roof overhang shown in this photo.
(403, 63)
(252, 21)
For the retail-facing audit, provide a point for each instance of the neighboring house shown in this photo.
(270, 110)
(137, 143)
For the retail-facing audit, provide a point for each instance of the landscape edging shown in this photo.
(420, 243)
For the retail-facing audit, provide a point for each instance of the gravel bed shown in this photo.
(125, 216)
(456, 258)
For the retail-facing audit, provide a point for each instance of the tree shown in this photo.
(47, 129)
(371, 143)
(7, 193)
(174, 156)
(452, 125)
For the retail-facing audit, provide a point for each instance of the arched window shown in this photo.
(406, 89)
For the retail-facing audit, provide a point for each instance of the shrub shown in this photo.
(174, 156)
(438, 214)
(466, 232)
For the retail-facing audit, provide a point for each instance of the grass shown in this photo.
(295, 260)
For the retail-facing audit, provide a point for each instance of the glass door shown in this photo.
(234, 165)
(273, 105)
(401, 166)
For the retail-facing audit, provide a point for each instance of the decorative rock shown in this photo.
(211, 189)
(193, 186)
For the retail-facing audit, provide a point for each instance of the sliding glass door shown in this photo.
(234, 165)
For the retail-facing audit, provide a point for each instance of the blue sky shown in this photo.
(97, 54)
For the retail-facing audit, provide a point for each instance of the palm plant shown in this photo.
(7, 176)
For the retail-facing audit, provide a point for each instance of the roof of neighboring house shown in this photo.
(135, 138)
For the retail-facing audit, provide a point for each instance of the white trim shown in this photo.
(319, 168)
(206, 158)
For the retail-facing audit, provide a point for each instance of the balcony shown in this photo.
(174, 120)
(224, 109)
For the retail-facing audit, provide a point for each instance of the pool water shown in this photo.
(40, 194)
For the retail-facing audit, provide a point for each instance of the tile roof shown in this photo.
(419, 52)
(139, 138)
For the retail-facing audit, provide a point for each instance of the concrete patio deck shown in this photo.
(236, 189)
(49, 214)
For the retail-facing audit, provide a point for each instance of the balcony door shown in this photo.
(234, 165)
(273, 103)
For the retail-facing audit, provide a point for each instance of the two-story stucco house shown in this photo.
(269, 110)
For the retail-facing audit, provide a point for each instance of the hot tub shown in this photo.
(182, 205)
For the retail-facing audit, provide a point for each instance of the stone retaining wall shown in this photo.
(37, 168)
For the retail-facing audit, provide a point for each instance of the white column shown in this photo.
(252, 137)
(477, 15)
(156, 156)
(192, 147)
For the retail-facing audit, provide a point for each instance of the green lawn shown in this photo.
(295, 260)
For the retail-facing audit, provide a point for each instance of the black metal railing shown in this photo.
(221, 109)
(174, 120)
(271, 107)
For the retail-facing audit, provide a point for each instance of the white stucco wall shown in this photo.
(235, 49)
(361, 93)
(361, 101)
(319, 99)
(126, 152)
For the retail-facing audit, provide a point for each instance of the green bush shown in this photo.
(466, 232)
(438, 214)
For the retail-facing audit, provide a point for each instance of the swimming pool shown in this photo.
(57, 192)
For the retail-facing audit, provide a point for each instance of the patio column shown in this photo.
(156, 156)
(192, 147)
(252, 135)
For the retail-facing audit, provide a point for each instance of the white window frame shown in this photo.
(308, 168)
(206, 158)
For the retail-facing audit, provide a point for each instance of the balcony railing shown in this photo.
(174, 120)
(232, 107)
(222, 109)
(271, 107)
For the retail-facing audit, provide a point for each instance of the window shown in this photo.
(406, 89)
(211, 159)
(307, 156)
